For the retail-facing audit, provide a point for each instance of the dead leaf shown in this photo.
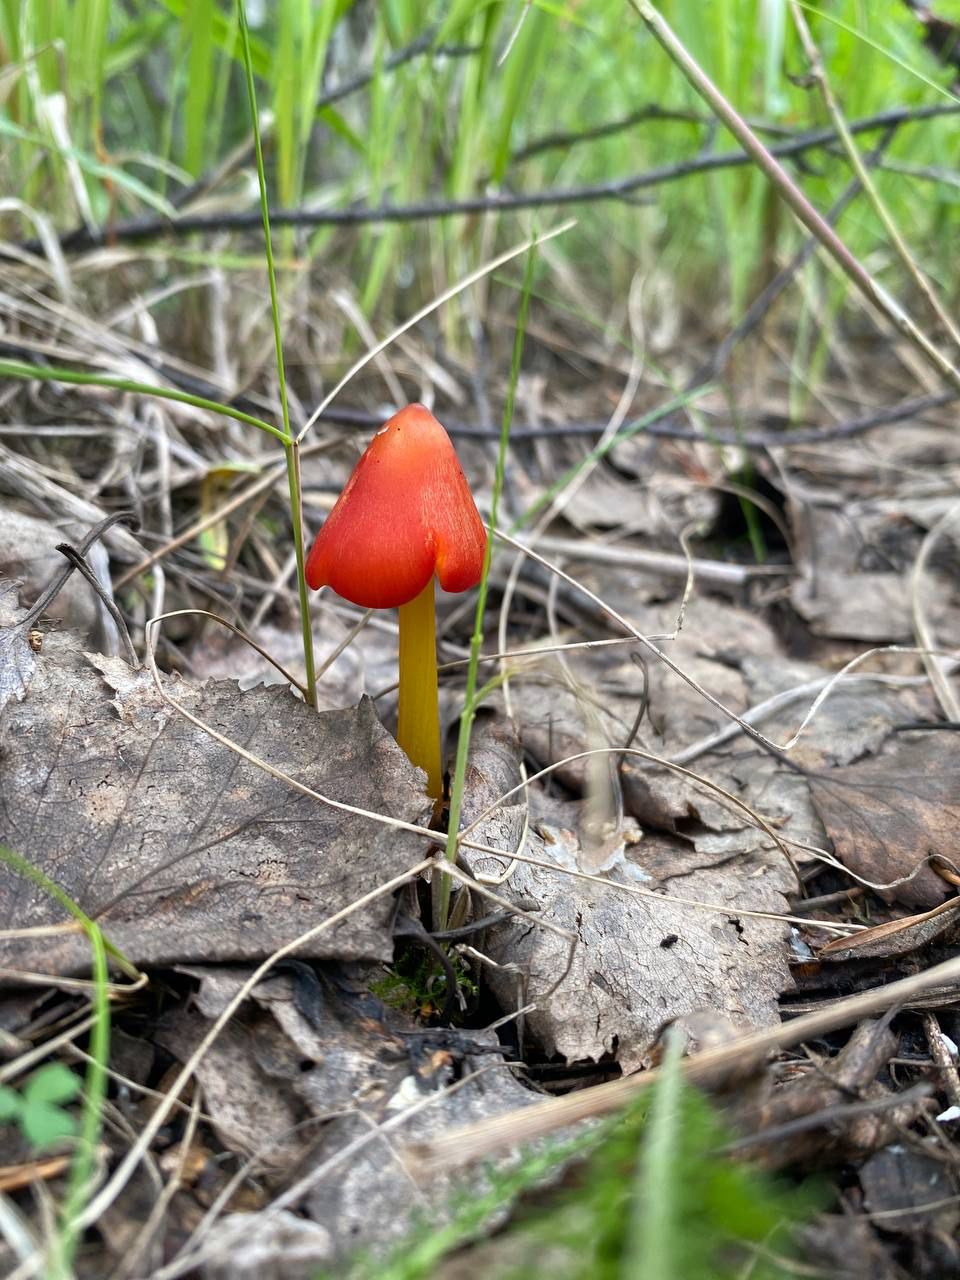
(885, 815)
(177, 846)
(902, 1183)
(339, 1064)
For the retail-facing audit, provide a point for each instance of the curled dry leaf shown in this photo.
(894, 937)
(887, 814)
(179, 848)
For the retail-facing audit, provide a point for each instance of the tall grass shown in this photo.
(157, 88)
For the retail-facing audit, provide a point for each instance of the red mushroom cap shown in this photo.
(405, 514)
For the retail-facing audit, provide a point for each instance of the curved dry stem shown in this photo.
(242, 635)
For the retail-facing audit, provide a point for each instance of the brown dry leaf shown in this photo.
(885, 815)
(177, 846)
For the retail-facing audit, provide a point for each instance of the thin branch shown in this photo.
(55, 586)
(562, 141)
(149, 228)
(77, 561)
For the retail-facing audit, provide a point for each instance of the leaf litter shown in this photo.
(197, 863)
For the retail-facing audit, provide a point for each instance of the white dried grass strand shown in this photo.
(442, 298)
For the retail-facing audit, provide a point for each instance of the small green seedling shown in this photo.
(39, 1108)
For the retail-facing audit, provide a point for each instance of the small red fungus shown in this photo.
(405, 516)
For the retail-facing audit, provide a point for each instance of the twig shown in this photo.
(148, 228)
(651, 112)
(708, 1068)
(942, 1056)
(55, 585)
(78, 562)
(668, 428)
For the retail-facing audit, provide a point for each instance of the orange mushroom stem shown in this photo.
(405, 517)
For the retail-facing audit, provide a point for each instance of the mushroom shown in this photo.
(405, 516)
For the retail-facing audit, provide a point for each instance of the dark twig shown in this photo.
(672, 430)
(668, 429)
(651, 112)
(55, 585)
(148, 228)
(78, 562)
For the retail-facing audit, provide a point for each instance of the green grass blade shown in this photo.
(651, 1248)
(200, 83)
(95, 1085)
(290, 445)
(50, 373)
(469, 712)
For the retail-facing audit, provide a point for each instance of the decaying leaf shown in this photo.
(887, 814)
(315, 1064)
(639, 960)
(177, 846)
